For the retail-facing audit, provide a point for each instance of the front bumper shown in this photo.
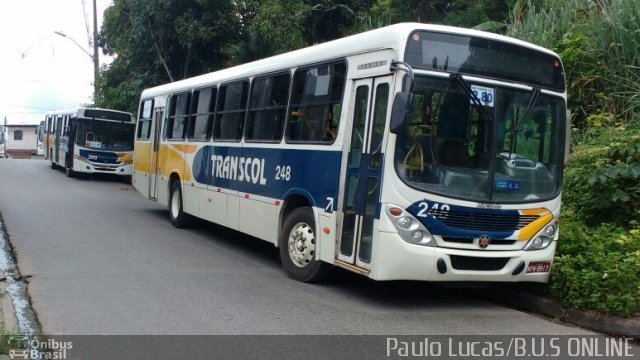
(93, 168)
(399, 260)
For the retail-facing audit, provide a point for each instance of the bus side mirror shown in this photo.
(400, 110)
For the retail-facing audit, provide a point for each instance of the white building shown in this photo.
(21, 141)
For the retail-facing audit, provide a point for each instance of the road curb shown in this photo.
(592, 320)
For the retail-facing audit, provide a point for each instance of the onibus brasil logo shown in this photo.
(34, 348)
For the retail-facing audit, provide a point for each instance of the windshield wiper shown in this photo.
(474, 98)
(533, 99)
(515, 128)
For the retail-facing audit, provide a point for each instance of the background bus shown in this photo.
(90, 141)
(41, 134)
(2, 142)
(459, 180)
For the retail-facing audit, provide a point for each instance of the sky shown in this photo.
(39, 70)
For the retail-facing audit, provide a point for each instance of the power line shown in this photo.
(86, 22)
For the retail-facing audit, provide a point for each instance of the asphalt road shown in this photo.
(104, 260)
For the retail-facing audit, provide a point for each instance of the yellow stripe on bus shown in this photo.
(530, 230)
(171, 161)
(141, 158)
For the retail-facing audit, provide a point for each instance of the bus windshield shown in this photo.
(513, 153)
(105, 135)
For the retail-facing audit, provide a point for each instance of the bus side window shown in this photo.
(267, 108)
(232, 103)
(316, 97)
(178, 114)
(144, 122)
(201, 119)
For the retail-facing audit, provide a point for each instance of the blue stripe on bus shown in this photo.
(102, 157)
(272, 172)
(438, 227)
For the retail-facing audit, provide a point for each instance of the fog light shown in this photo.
(550, 230)
(404, 222)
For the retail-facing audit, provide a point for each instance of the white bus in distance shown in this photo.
(2, 142)
(414, 152)
(41, 133)
(90, 140)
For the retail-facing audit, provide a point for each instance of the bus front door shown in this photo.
(153, 158)
(361, 202)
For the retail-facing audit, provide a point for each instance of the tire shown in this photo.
(298, 247)
(178, 217)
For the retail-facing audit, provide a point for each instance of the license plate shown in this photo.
(538, 267)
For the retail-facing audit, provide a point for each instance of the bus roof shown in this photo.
(81, 110)
(389, 37)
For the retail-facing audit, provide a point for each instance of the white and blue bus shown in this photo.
(414, 152)
(90, 140)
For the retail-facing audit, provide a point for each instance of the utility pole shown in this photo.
(96, 63)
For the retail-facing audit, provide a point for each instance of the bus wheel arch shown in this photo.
(177, 215)
(291, 203)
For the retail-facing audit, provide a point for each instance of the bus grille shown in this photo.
(476, 263)
(460, 240)
(483, 222)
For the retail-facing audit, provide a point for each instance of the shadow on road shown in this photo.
(99, 177)
(342, 283)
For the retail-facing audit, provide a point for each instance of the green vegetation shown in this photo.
(598, 259)
(597, 263)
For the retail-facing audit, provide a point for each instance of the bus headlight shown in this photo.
(539, 242)
(404, 222)
(550, 230)
(409, 228)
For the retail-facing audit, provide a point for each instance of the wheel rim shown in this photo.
(301, 244)
(175, 204)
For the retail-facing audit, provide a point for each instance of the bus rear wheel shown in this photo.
(178, 217)
(298, 246)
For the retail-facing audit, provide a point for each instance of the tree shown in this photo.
(271, 27)
(161, 41)
(464, 13)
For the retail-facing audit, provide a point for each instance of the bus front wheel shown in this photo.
(298, 246)
(178, 217)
